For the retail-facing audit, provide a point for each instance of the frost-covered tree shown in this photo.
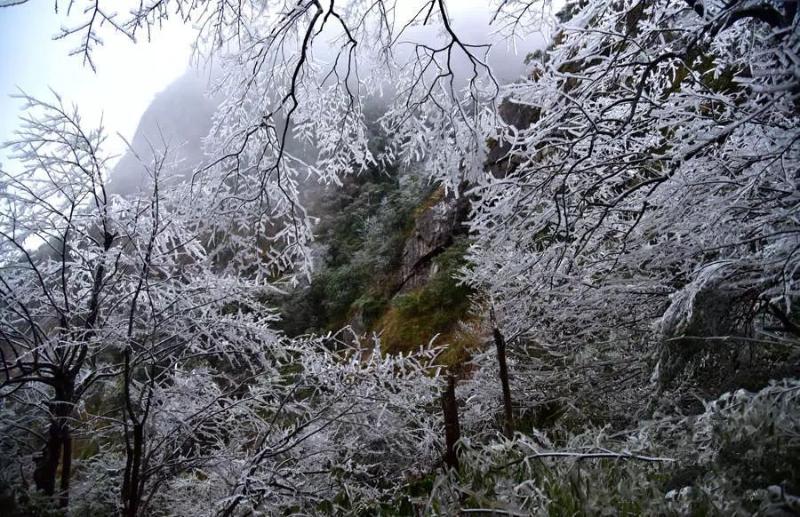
(122, 334)
(633, 201)
(295, 78)
(656, 167)
(99, 292)
(61, 252)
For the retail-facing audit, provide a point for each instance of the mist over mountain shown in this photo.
(178, 119)
(180, 116)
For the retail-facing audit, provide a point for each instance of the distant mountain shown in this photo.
(180, 116)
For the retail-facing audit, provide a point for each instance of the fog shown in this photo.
(180, 116)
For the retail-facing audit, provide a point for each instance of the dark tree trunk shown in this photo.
(66, 466)
(131, 488)
(132, 482)
(44, 475)
(58, 447)
(452, 430)
(508, 413)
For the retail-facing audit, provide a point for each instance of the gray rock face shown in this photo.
(179, 117)
(434, 229)
(700, 331)
(500, 161)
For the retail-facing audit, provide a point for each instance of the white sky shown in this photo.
(128, 75)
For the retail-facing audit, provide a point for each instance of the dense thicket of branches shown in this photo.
(634, 250)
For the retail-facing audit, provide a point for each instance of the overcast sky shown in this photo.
(128, 75)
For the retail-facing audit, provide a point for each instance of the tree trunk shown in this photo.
(452, 430)
(58, 446)
(508, 413)
(44, 475)
(66, 466)
(131, 489)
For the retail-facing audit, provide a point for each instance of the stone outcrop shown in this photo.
(702, 331)
(438, 221)
(500, 161)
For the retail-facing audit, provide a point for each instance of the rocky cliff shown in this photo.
(438, 221)
(178, 119)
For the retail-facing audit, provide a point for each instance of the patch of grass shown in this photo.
(416, 317)
(461, 341)
(371, 306)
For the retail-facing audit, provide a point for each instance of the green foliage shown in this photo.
(15, 502)
(416, 317)
(371, 306)
(363, 227)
